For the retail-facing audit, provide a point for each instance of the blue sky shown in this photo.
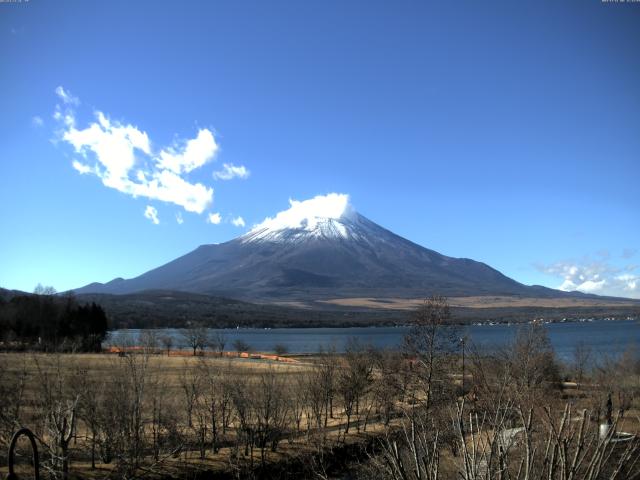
(506, 132)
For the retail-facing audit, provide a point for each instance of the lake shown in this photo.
(604, 337)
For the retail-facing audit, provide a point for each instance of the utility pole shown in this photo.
(462, 340)
(462, 429)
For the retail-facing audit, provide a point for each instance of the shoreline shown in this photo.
(486, 323)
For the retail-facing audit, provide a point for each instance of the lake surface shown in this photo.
(604, 337)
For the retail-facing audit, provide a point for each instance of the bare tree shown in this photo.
(241, 397)
(298, 395)
(559, 445)
(217, 341)
(61, 428)
(532, 363)
(241, 346)
(57, 407)
(431, 339)
(125, 410)
(109, 417)
(44, 290)
(214, 400)
(196, 337)
(280, 349)
(12, 391)
(413, 453)
(387, 386)
(581, 358)
(354, 380)
(148, 340)
(628, 390)
(89, 391)
(271, 412)
(156, 392)
(201, 425)
(327, 378)
(167, 343)
(190, 383)
(316, 396)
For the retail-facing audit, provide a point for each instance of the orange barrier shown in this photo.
(189, 353)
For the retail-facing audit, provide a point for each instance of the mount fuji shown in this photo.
(319, 249)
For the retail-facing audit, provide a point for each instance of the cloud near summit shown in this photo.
(306, 213)
(123, 157)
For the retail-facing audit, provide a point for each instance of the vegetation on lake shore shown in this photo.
(45, 321)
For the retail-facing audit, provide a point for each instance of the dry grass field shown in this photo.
(147, 414)
(481, 302)
(173, 379)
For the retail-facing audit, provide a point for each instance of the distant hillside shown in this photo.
(156, 309)
(177, 309)
(6, 295)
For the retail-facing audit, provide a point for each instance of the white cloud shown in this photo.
(152, 214)
(307, 213)
(214, 218)
(64, 115)
(114, 146)
(238, 222)
(179, 218)
(586, 286)
(596, 276)
(37, 121)
(230, 171)
(631, 283)
(168, 187)
(66, 96)
(194, 154)
(81, 167)
(121, 155)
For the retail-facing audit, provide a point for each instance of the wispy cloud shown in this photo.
(230, 171)
(152, 214)
(123, 157)
(66, 97)
(238, 222)
(179, 218)
(37, 121)
(65, 115)
(214, 218)
(81, 168)
(598, 276)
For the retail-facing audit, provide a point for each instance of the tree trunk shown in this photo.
(214, 430)
(64, 448)
(93, 450)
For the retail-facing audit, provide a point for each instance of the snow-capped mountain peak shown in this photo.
(324, 216)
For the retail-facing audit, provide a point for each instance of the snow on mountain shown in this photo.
(328, 216)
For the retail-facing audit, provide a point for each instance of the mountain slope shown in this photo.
(321, 250)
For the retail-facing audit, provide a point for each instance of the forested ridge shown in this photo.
(50, 322)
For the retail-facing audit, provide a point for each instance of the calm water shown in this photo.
(608, 337)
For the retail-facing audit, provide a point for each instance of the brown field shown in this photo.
(168, 372)
(164, 383)
(480, 302)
